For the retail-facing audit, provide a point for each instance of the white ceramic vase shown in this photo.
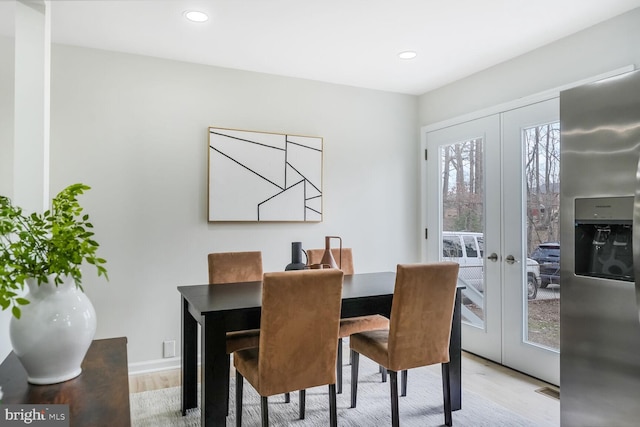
(54, 331)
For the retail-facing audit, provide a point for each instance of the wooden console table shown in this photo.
(98, 397)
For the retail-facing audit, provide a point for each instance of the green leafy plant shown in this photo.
(55, 243)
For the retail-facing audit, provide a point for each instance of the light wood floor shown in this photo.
(503, 386)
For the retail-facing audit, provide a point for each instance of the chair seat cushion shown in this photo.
(246, 362)
(353, 325)
(372, 344)
(240, 340)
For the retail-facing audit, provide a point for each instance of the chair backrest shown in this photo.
(299, 329)
(315, 257)
(421, 314)
(231, 267)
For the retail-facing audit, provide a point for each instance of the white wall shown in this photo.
(135, 129)
(596, 50)
(6, 115)
(6, 154)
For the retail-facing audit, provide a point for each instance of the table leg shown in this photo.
(189, 359)
(455, 355)
(215, 370)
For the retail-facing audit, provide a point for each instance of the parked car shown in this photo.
(467, 249)
(548, 256)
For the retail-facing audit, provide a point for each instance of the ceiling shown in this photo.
(351, 42)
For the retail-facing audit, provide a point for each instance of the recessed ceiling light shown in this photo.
(196, 16)
(407, 54)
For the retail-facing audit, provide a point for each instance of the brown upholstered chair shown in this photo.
(233, 267)
(299, 329)
(419, 329)
(349, 325)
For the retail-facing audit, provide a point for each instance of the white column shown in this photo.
(32, 93)
(31, 119)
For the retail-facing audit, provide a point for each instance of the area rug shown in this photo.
(421, 407)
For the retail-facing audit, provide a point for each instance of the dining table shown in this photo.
(219, 309)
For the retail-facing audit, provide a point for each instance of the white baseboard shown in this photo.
(156, 365)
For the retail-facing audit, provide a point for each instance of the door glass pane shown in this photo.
(542, 312)
(462, 186)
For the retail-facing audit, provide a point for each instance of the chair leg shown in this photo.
(355, 358)
(239, 384)
(446, 391)
(404, 383)
(287, 397)
(333, 407)
(302, 397)
(264, 409)
(384, 375)
(228, 375)
(339, 366)
(393, 384)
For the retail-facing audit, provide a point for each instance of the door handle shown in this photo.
(493, 257)
(511, 259)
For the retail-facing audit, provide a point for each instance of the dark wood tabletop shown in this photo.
(98, 397)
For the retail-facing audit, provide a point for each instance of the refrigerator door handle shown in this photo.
(636, 238)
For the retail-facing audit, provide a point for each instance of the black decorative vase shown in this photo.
(296, 257)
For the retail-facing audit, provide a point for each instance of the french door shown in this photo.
(496, 177)
(531, 202)
(462, 161)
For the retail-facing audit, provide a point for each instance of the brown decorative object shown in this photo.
(293, 355)
(346, 265)
(419, 330)
(327, 257)
(99, 397)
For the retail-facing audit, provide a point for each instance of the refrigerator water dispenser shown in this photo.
(603, 238)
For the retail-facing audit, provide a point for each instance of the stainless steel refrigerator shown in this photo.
(600, 253)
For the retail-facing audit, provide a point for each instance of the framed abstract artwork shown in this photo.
(259, 176)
